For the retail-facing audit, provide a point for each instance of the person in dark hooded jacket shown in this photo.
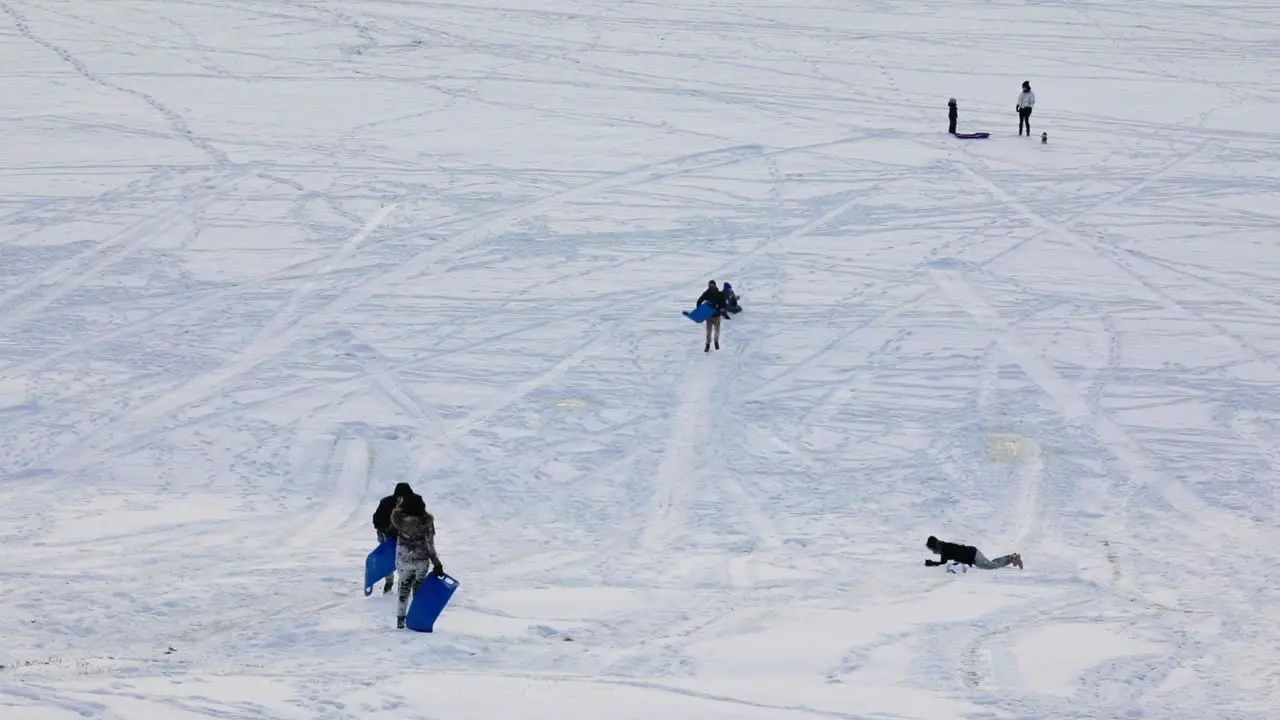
(415, 549)
(968, 555)
(715, 297)
(382, 516)
(382, 523)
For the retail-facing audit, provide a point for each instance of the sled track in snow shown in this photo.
(345, 482)
(766, 538)
(287, 327)
(64, 278)
(1111, 437)
(681, 458)
(614, 326)
(1074, 407)
(1113, 255)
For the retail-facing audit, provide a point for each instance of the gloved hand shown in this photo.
(439, 571)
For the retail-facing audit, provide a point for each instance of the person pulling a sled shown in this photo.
(1026, 101)
(382, 523)
(952, 115)
(715, 297)
(415, 549)
(968, 555)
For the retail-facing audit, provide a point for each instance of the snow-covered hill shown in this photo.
(262, 259)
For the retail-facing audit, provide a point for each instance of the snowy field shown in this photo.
(262, 259)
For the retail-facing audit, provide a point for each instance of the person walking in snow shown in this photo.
(1026, 101)
(382, 523)
(715, 297)
(952, 115)
(967, 555)
(415, 549)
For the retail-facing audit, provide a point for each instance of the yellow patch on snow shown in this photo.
(1011, 447)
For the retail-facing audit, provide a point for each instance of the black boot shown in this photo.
(706, 348)
(717, 344)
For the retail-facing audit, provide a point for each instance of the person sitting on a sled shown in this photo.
(731, 299)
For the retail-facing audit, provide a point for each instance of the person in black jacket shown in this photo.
(383, 525)
(952, 115)
(968, 555)
(715, 297)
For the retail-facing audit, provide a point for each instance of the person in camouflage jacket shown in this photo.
(415, 549)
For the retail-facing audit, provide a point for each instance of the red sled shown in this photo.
(973, 136)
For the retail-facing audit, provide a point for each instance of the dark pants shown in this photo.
(951, 126)
(1024, 120)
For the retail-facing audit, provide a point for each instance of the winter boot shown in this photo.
(400, 622)
(717, 344)
(706, 348)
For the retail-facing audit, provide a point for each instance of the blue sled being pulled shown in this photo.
(700, 313)
(380, 563)
(429, 602)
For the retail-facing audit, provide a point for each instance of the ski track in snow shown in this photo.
(682, 460)
(261, 261)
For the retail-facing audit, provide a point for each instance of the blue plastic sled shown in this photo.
(429, 602)
(973, 136)
(700, 313)
(380, 563)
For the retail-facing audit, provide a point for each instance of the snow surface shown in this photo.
(263, 259)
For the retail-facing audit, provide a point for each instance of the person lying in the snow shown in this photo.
(731, 299)
(968, 555)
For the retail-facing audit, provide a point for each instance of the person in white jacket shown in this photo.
(1026, 101)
